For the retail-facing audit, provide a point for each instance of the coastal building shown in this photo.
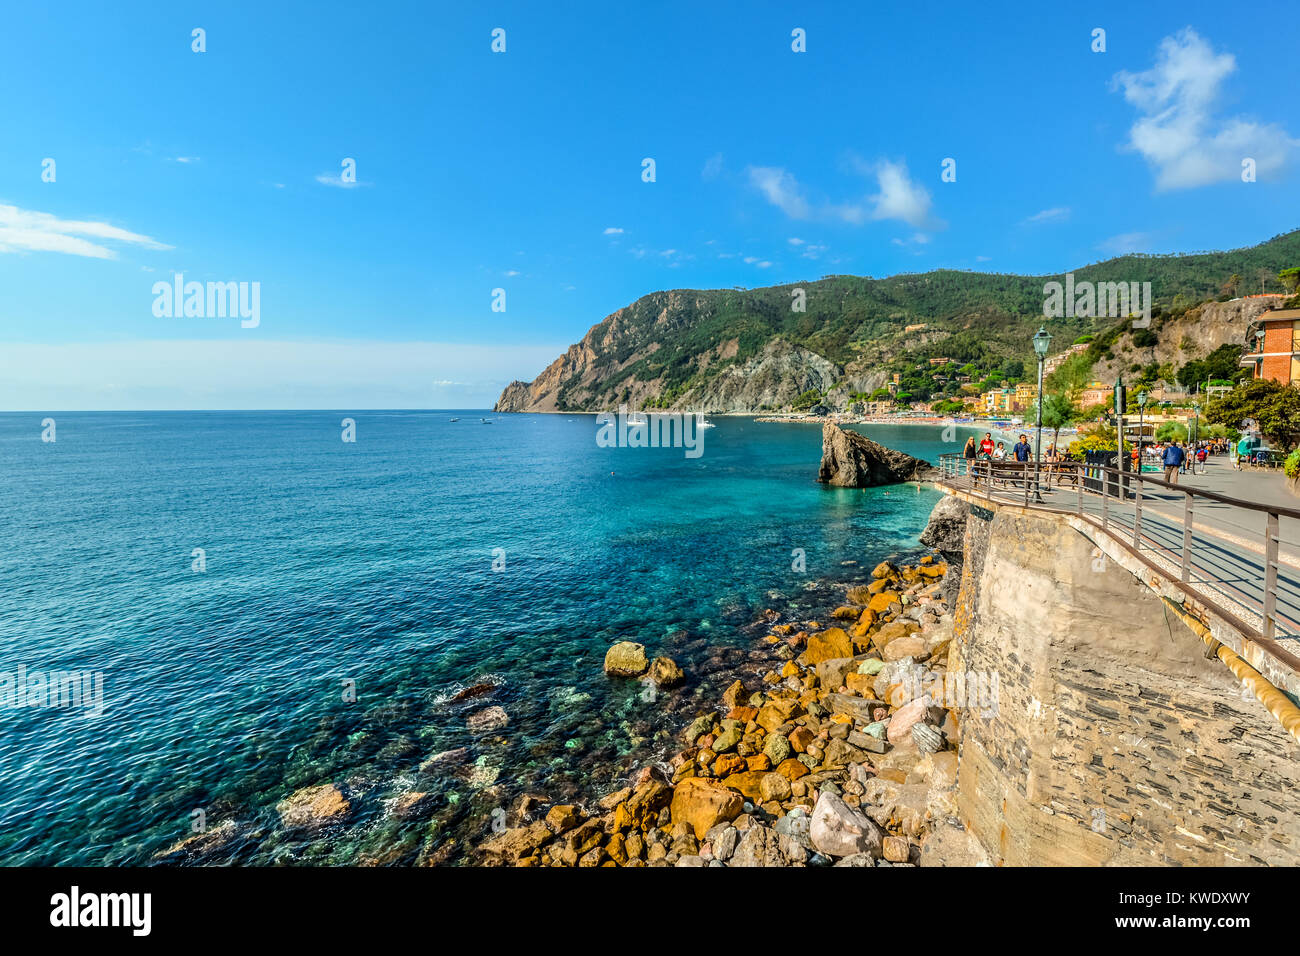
(1053, 362)
(1276, 354)
(1026, 395)
(920, 327)
(999, 401)
(1097, 393)
(941, 360)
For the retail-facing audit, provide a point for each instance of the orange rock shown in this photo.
(880, 603)
(845, 613)
(759, 762)
(747, 783)
(728, 764)
(860, 684)
(776, 712)
(703, 804)
(800, 738)
(742, 714)
(791, 669)
(827, 645)
(791, 769)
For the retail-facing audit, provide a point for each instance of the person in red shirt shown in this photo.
(986, 446)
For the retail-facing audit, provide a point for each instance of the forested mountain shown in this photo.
(751, 350)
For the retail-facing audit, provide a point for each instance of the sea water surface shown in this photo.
(426, 557)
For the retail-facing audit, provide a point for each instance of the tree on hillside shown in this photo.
(1290, 278)
(1058, 412)
(1274, 407)
(1230, 287)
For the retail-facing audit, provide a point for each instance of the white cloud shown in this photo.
(795, 241)
(184, 159)
(1177, 131)
(712, 167)
(781, 190)
(765, 264)
(1126, 242)
(1055, 214)
(25, 230)
(512, 272)
(337, 180)
(898, 198)
(613, 231)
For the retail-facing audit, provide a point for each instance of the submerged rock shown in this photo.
(664, 672)
(626, 659)
(314, 807)
(487, 719)
(850, 460)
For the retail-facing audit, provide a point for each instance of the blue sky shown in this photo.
(522, 170)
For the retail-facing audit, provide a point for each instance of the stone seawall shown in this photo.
(1115, 740)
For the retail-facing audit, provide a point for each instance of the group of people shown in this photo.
(1176, 457)
(986, 449)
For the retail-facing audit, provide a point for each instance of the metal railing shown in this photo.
(1225, 552)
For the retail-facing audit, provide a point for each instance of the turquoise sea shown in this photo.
(372, 562)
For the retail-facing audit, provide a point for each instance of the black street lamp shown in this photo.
(1041, 341)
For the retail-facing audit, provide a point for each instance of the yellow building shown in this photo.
(999, 401)
(1026, 395)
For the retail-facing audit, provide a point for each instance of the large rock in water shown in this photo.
(850, 460)
(626, 659)
(946, 530)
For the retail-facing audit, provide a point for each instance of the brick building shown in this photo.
(1276, 353)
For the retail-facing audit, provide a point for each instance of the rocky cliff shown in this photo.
(752, 350)
(1189, 335)
(850, 460)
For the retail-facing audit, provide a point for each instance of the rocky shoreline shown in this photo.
(840, 754)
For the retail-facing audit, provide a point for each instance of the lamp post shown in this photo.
(1142, 428)
(1142, 407)
(1259, 361)
(1041, 341)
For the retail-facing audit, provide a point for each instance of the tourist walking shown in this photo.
(969, 452)
(986, 446)
(1202, 454)
(1052, 459)
(1173, 460)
